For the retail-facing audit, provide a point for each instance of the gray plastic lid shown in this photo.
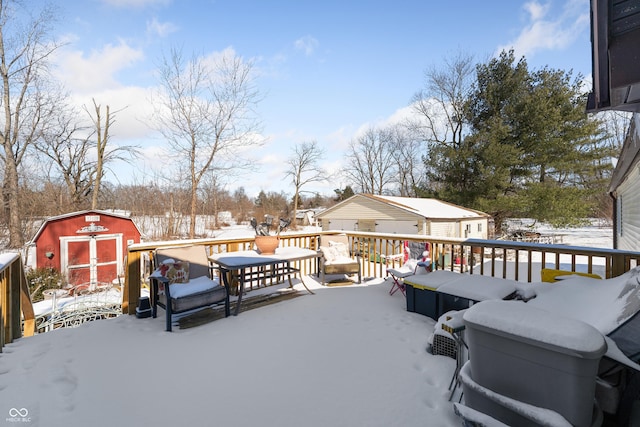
(525, 323)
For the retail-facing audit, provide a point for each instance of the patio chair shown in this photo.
(337, 257)
(416, 256)
(183, 281)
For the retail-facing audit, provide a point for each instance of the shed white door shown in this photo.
(91, 260)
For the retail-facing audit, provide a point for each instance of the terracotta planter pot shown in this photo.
(267, 244)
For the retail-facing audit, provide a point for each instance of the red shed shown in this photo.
(88, 246)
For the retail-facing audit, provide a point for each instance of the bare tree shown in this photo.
(24, 52)
(102, 135)
(441, 103)
(65, 144)
(407, 153)
(206, 113)
(105, 152)
(80, 160)
(371, 166)
(304, 169)
(62, 143)
(616, 125)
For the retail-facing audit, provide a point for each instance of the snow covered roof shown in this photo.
(431, 208)
(115, 214)
(426, 208)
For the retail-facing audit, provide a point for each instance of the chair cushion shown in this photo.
(193, 286)
(175, 271)
(335, 255)
(198, 299)
(340, 248)
(328, 253)
(409, 268)
(195, 254)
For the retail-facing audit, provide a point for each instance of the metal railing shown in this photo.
(379, 251)
(16, 311)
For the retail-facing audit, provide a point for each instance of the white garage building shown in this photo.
(405, 215)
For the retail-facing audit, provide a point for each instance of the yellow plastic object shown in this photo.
(550, 275)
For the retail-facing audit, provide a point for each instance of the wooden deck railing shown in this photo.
(380, 251)
(15, 302)
(488, 257)
(139, 254)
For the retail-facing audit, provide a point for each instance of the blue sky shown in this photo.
(327, 69)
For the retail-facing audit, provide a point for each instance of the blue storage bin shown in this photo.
(422, 300)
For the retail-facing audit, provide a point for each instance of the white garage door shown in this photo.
(339, 224)
(397, 227)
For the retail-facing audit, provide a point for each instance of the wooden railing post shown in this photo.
(131, 291)
(5, 301)
(1, 326)
(15, 270)
(618, 265)
(28, 315)
(15, 303)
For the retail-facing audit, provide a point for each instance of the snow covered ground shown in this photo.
(597, 235)
(346, 356)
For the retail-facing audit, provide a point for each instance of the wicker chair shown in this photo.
(337, 257)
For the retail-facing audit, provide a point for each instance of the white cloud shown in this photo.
(536, 10)
(93, 75)
(546, 30)
(160, 29)
(307, 44)
(401, 116)
(130, 106)
(96, 70)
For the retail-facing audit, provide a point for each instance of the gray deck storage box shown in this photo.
(535, 357)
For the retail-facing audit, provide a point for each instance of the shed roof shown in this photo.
(426, 208)
(78, 213)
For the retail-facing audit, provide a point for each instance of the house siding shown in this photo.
(624, 186)
(347, 216)
(369, 209)
(478, 228)
(628, 200)
(445, 228)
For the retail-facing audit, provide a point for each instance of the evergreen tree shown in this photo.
(532, 150)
